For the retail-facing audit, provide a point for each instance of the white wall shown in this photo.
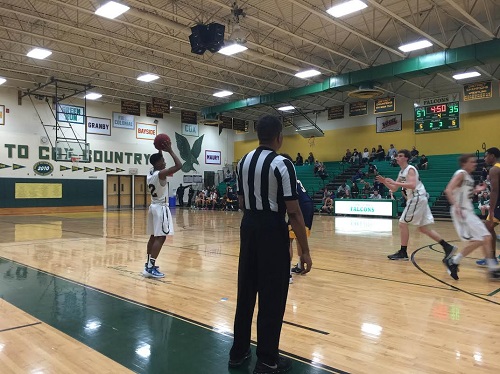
(23, 127)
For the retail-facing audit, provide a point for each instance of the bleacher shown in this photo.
(435, 179)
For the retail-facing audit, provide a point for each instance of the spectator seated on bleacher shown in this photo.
(367, 189)
(348, 155)
(365, 157)
(379, 187)
(322, 172)
(317, 165)
(373, 155)
(200, 200)
(231, 200)
(414, 155)
(380, 154)
(484, 203)
(358, 176)
(299, 160)
(355, 157)
(391, 153)
(327, 206)
(310, 159)
(423, 164)
(372, 170)
(375, 195)
(343, 190)
(354, 190)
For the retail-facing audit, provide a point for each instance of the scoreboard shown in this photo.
(445, 116)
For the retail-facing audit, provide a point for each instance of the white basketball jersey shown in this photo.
(464, 193)
(157, 187)
(419, 188)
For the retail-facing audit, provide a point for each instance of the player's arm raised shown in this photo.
(167, 147)
(410, 182)
(388, 182)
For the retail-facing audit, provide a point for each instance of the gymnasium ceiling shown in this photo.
(283, 37)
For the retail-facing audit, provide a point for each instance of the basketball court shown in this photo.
(73, 299)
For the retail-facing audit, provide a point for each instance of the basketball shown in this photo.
(159, 140)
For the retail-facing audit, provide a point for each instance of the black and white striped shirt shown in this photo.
(266, 180)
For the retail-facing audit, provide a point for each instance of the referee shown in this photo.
(267, 189)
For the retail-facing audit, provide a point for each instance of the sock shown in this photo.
(151, 262)
(457, 258)
(403, 248)
(445, 244)
(299, 265)
(492, 264)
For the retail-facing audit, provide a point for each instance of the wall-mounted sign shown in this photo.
(99, 126)
(477, 90)
(162, 104)
(124, 121)
(131, 107)
(2, 114)
(212, 157)
(364, 208)
(70, 113)
(145, 131)
(389, 123)
(384, 105)
(437, 99)
(359, 108)
(189, 129)
(188, 116)
(153, 111)
(240, 125)
(43, 168)
(336, 112)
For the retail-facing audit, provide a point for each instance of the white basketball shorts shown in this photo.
(159, 221)
(417, 212)
(470, 227)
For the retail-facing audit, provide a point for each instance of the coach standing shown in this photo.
(267, 189)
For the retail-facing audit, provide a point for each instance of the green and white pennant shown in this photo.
(4, 166)
(118, 170)
(16, 166)
(63, 168)
(75, 168)
(108, 170)
(85, 169)
(98, 169)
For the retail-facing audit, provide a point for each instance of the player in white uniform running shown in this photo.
(417, 211)
(470, 228)
(159, 218)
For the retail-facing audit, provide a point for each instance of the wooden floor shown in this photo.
(356, 312)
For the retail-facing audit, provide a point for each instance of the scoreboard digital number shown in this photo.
(445, 116)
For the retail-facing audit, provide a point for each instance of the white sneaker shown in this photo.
(290, 280)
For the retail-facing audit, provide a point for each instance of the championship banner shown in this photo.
(384, 105)
(389, 123)
(99, 126)
(477, 91)
(145, 131)
(336, 112)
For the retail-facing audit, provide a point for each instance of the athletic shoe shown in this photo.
(452, 268)
(399, 255)
(290, 280)
(283, 365)
(483, 263)
(296, 269)
(234, 363)
(494, 275)
(152, 272)
(449, 252)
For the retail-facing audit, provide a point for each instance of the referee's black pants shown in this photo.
(264, 268)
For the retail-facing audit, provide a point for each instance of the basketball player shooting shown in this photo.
(159, 223)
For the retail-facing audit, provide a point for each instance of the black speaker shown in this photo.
(216, 37)
(205, 37)
(197, 39)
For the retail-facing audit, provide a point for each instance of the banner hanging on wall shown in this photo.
(478, 90)
(2, 114)
(146, 131)
(124, 121)
(99, 126)
(390, 123)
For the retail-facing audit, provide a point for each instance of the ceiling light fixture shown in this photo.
(148, 77)
(286, 108)
(470, 74)
(93, 96)
(39, 53)
(346, 8)
(223, 93)
(307, 73)
(232, 49)
(111, 10)
(415, 46)
(2, 80)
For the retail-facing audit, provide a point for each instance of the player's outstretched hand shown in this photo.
(380, 178)
(306, 262)
(166, 146)
(480, 187)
